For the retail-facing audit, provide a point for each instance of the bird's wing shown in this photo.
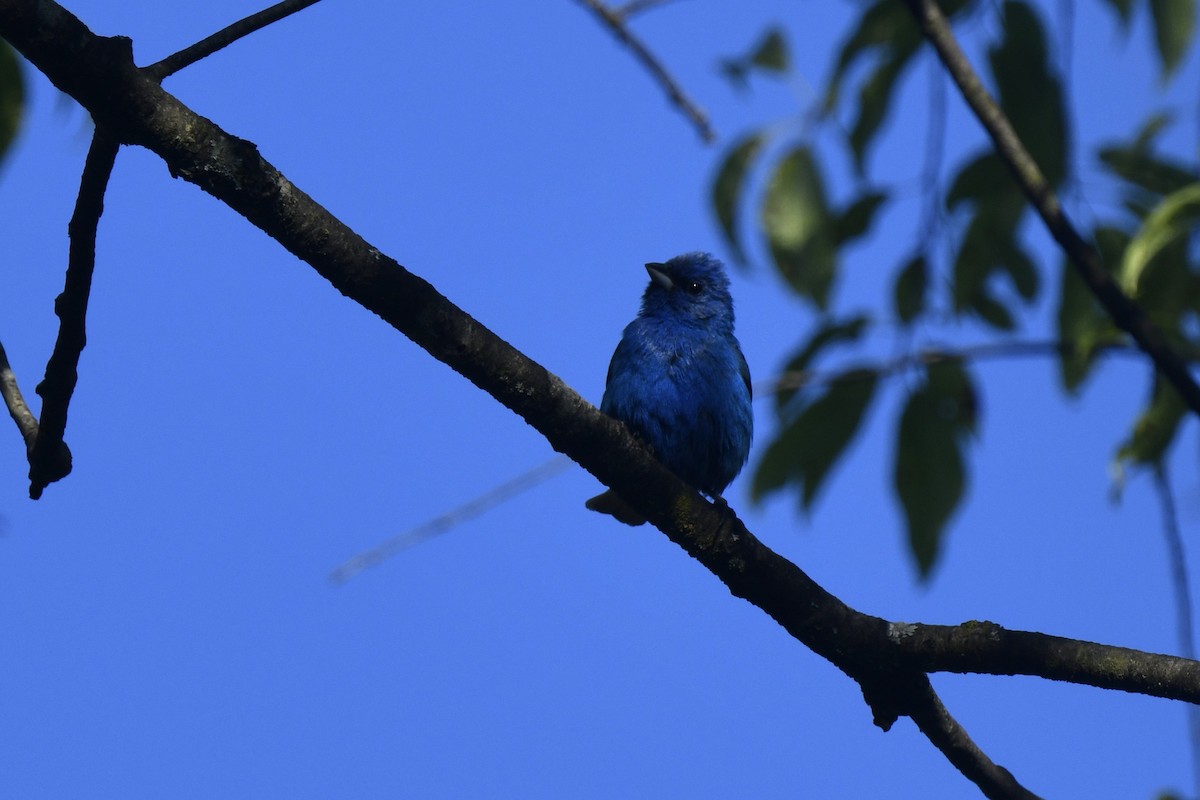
(744, 369)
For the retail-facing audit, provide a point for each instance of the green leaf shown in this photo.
(1020, 267)
(768, 55)
(811, 445)
(771, 53)
(1174, 23)
(989, 246)
(832, 332)
(981, 181)
(885, 24)
(909, 292)
(1146, 171)
(1177, 214)
(855, 220)
(874, 98)
(992, 311)
(1155, 429)
(929, 473)
(1124, 9)
(1155, 124)
(1082, 327)
(12, 96)
(728, 188)
(1029, 90)
(796, 218)
(1167, 289)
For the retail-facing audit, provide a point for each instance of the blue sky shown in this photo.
(240, 429)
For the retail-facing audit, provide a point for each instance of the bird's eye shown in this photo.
(693, 287)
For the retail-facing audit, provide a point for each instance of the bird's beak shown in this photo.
(658, 275)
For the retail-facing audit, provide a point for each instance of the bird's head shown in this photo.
(691, 286)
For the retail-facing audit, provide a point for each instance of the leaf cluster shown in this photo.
(969, 263)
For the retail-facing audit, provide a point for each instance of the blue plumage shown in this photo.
(679, 381)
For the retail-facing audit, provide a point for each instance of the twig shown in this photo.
(1124, 312)
(947, 735)
(615, 22)
(444, 522)
(935, 137)
(225, 37)
(26, 423)
(49, 460)
(637, 7)
(928, 356)
(1183, 601)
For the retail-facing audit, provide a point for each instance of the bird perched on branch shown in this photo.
(679, 381)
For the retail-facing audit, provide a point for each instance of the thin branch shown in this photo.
(225, 37)
(451, 519)
(1183, 601)
(634, 7)
(27, 424)
(948, 736)
(790, 381)
(931, 172)
(49, 460)
(1124, 312)
(615, 22)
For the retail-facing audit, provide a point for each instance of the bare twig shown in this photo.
(947, 735)
(1183, 601)
(26, 423)
(615, 22)
(931, 172)
(934, 355)
(49, 460)
(444, 522)
(637, 7)
(225, 37)
(1127, 314)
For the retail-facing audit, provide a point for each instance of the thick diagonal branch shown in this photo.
(49, 460)
(1127, 314)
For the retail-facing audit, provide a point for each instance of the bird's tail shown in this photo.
(610, 503)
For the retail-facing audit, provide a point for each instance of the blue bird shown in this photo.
(679, 381)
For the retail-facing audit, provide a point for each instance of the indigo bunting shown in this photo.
(679, 381)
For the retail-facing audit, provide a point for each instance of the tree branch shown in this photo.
(988, 649)
(634, 7)
(101, 75)
(26, 423)
(1127, 314)
(1014, 348)
(948, 736)
(614, 20)
(451, 519)
(1183, 600)
(49, 459)
(225, 37)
